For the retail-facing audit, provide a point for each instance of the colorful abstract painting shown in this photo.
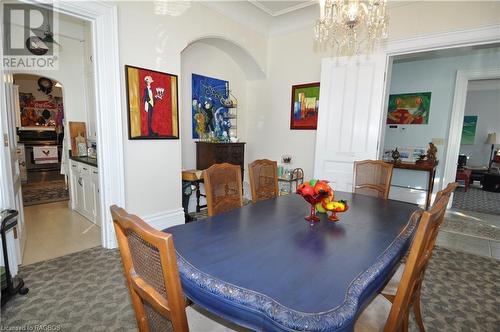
(209, 114)
(152, 104)
(469, 129)
(409, 108)
(305, 104)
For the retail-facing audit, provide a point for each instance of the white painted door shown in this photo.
(350, 116)
(12, 101)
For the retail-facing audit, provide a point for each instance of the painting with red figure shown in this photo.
(152, 104)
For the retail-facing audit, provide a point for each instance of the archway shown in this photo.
(221, 60)
(240, 55)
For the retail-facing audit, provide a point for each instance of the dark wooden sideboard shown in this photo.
(208, 154)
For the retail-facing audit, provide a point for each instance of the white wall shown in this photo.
(203, 59)
(486, 105)
(293, 59)
(435, 74)
(70, 72)
(153, 167)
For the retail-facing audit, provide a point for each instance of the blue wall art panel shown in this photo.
(209, 114)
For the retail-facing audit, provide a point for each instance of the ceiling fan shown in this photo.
(49, 36)
(39, 45)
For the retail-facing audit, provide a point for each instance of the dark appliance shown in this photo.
(31, 138)
(11, 286)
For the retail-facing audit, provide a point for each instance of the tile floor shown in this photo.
(54, 230)
(470, 243)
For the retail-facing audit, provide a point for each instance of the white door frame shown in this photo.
(104, 20)
(439, 41)
(457, 116)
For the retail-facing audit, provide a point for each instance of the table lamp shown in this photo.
(491, 139)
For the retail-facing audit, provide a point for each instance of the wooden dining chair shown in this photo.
(373, 178)
(409, 289)
(150, 268)
(263, 179)
(223, 188)
(446, 192)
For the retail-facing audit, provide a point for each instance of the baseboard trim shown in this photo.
(166, 219)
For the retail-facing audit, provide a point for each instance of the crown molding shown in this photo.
(268, 11)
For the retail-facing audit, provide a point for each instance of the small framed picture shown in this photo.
(405, 154)
(152, 104)
(305, 105)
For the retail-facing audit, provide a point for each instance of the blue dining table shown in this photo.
(265, 268)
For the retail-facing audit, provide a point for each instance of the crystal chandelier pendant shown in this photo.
(351, 26)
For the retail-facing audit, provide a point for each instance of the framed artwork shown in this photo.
(469, 130)
(407, 154)
(409, 108)
(209, 113)
(305, 104)
(152, 104)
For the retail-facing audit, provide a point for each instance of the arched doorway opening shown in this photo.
(224, 67)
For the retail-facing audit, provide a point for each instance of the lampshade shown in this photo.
(492, 138)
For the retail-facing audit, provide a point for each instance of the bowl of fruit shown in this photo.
(334, 207)
(320, 196)
(313, 192)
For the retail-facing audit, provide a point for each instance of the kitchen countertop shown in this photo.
(85, 160)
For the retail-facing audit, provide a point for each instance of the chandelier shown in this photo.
(351, 26)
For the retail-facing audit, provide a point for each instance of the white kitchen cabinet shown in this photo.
(84, 180)
(87, 190)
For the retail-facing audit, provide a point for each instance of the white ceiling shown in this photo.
(277, 8)
(482, 85)
(276, 17)
(269, 17)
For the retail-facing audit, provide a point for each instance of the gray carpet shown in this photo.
(86, 291)
(475, 199)
(44, 192)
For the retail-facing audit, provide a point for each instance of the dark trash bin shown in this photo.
(10, 285)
